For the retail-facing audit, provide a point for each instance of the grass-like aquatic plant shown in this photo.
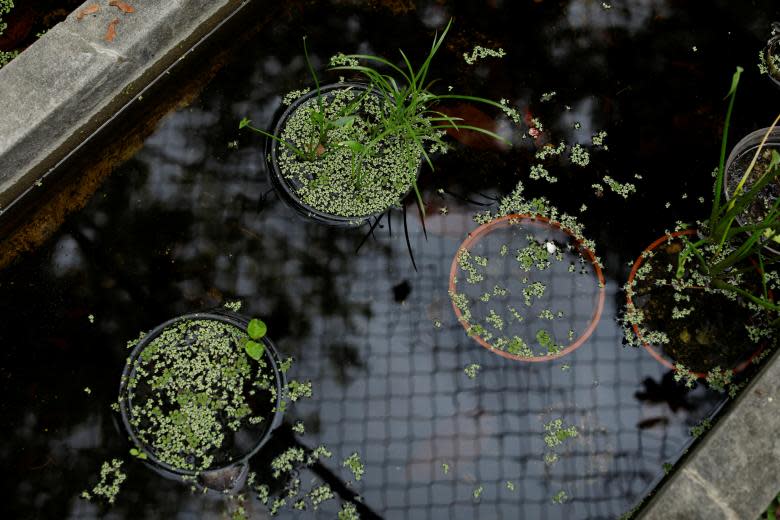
(412, 104)
(404, 114)
(725, 249)
(685, 289)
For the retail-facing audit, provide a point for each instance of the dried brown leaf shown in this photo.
(124, 6)
(90, 9)
(111, 32)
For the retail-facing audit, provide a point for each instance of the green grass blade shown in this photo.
(732, 94)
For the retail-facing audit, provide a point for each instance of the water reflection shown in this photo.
(189, 223)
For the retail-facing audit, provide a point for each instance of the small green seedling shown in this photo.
(135, 452)
(256, 330)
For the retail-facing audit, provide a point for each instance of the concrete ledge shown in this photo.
(733, 472)
(72, 80)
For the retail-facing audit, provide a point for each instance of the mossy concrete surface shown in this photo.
(733, 472)
(73, 80)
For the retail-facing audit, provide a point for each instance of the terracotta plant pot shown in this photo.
(578, 250)
(657, 351)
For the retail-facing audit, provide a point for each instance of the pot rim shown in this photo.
(475, 235)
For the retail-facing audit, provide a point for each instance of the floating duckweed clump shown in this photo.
(333, 181)
(348, 512)
(111, 479)
(479, 53)
(580, 155)
(192, 388)
(355, 465)
(557, 434)
(320, 494)
(291, 96)
(472, 370)
(622, 189)
(598, 140)
(540, 172)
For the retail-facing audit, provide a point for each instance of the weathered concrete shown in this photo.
(72, 80)
(733, 472)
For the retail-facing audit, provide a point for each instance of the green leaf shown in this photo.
(355, 146)
(256, 329)
(345, 121)
(735, 80)
(135, 452)
(254, 349)
(775, 161)
(244, 122)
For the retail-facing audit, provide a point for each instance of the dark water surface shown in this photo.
(190, 222)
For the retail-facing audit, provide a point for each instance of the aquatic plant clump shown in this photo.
(111, 479)
(557, 434)
(479, 53)
(192, 388)
(339, 181)
(690, 321)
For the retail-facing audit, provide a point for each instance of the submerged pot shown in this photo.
(230, 460)
(288, 187)
(728, 316)
(586, 294)
(736, 165)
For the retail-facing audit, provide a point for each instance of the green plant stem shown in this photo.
(281, 141)
(732, 94)
(720, 284)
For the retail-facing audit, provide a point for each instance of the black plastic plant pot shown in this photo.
(736, 165)
(229, 468)
(288, 187)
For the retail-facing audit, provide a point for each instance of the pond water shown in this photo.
(191, 221)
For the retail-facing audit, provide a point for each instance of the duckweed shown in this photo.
(333, 182)
(189, 390)
(479, 53)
